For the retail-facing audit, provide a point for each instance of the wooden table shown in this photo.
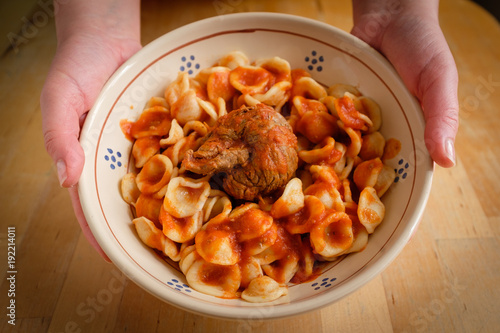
(445, 280)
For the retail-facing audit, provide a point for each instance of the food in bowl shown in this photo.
(329, 55)
(251, 175)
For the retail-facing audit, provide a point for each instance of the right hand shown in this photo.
(86, 56)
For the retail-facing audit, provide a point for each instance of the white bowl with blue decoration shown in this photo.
(331, 56)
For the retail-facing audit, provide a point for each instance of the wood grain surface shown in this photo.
(445, 280)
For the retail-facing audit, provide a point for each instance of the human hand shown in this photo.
(408, 34)
(92, 44)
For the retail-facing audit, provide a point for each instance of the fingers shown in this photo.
(62, 106)
(410, 37)
(79, 70)
(75, 200)
(428, 69)
(439, 102)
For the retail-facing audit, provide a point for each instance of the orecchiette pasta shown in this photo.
(371, 210)
(155, 175)
(185, 197)
(229, 247)
(263, 289)
(153, 237)
(332, 235)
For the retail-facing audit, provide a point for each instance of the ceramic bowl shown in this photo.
(331, 56)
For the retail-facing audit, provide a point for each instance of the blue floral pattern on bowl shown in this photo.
(179, 286)
(324, 283)
(401, 170)
(189, 65)
(113, 158)
(314, 61)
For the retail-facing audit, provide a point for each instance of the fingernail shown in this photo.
(450, 150)
(61, 171)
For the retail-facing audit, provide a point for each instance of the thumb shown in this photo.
(429, 70)
(440, 105)
(62, 106)
(420, 54)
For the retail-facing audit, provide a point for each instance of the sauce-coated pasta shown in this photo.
(232, 247)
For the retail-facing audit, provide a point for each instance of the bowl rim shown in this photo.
(354, 282)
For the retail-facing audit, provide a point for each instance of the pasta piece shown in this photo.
(356, 141)
(384, 180)
(251, 79)
(177, 88)
(340, 165)
(391, 149)
(372, 146)
(261, 243)
(323, 153)
(305, 177)
(371, 210)
(185, 196)
(128, 188)
(250, 221)
(303, 105)
(328, 194)
(221, 107)
(149, 207)
(154, 238)
(348, 168)
(201, 129)
(156, 101)
(360, 236)
(316, 125)
(175, 134)
(248, 100)
(338, 90)
(218, 245)
(277, 66)
(309, 88)
(324, 173)
(372, 110)
(204, 74)
(298, 73)
(263, 289)
(367, 173)
(144, 148)
(332, 235)
(233, 60)
(306, 262)
(276, 96)
(250, 270)
(349, 115)
(216, 204)
(215, 280)
(347, 193)
(209, 110)
(358, 106)
(285, 247)
(218, 85)
(155, 175)
(154, 121)
(219, 241)
(178, 150)
(329, 102)
(283, 270)
(187, 108)
(291, 201)
(188, 257)
(302, 221)
(180, 230)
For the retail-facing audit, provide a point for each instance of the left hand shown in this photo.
(408, 34)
